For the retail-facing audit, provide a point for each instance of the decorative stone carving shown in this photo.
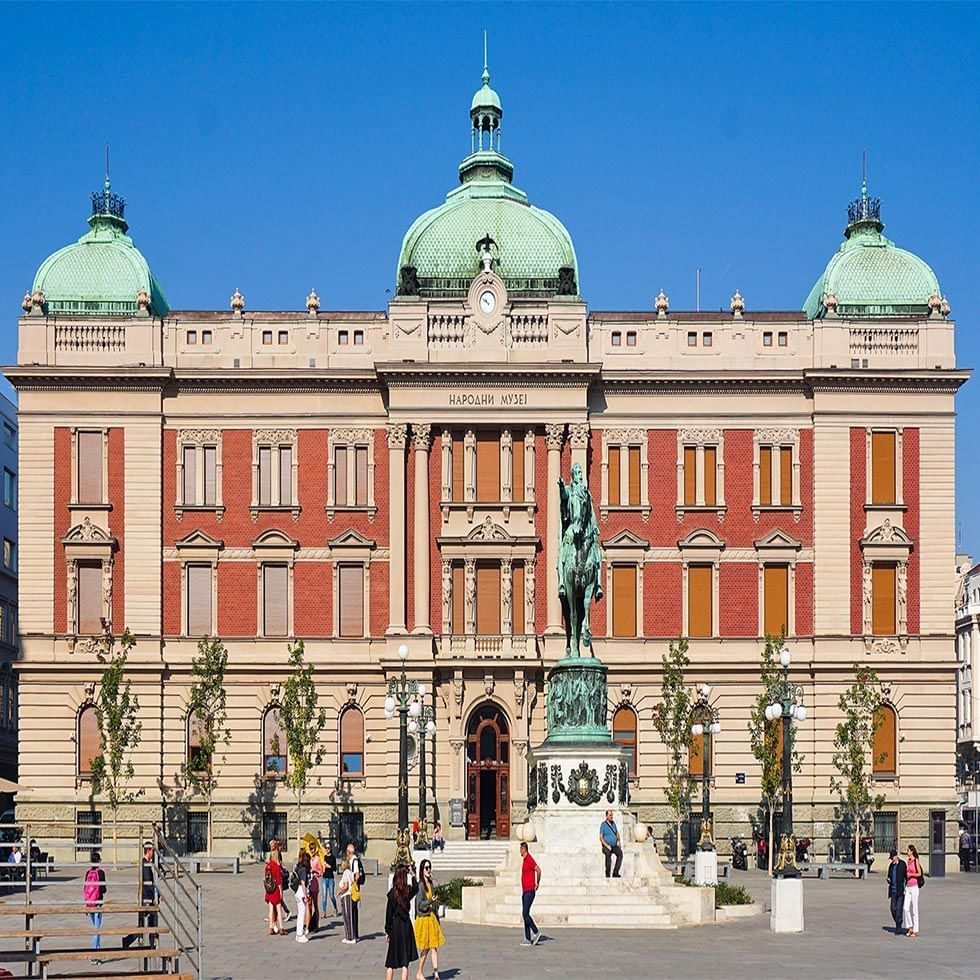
(312, 303)
(422, 435)
(777, 435)
(26, 303)
(507, 593)
(934, 301)
(456, 744)
(469, 584)
(554, 434)
(866, 596)
(737, 304)
(397, 435)
(459, 686)
(90, 689)
(944, 307)
(280, 436)
(578, 434)
(624, 437)
(408, 281)
(488, 531)
(626, 692)
(447, 595)
(351, 692)
(237, 302)
(700, 436)
(87, 531)
(566, 281)
(520, 690)
(577, 699)
(583, 785)
(143, 301)
(488, 684)
(347, 435)
(885, 648)
(530, 564)
(830, 302)
(520, 744)
(661, 304)
(198, 437)
(887, 533)
(37, 301)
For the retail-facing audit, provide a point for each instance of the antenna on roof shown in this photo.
(697, 289)
(107, 164)
(864, 173)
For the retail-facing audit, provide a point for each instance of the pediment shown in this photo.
(88, 533)
(701, 538)
(199, 539)
(351, 539)
(778, 539)
(274, 538)
(489, 531)
(625, 539)
(888, 533)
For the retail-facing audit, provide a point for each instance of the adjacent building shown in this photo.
(8, 591)
(363, 481)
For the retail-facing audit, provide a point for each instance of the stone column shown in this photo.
(507, 597)
(554, 435)
(421, 438)
(578, 438)
(469, 598)
(397, 434)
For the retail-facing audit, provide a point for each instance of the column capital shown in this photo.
(578, 434)
(397, 435)
(422, 435)
(554, 434)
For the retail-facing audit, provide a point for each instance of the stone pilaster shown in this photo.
(397, 436)
(578, 439)
(555, 435)
(421, 439)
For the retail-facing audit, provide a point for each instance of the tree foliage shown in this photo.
(302, 721)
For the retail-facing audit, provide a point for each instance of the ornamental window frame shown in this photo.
(778, 548)
(776, 439)
(701, 547)
(274, 548)
(352, 548)
(624, 549)
(885, 544)
(198, 548)
(880, 774)
(199, 440)
(275, 439)
(626, 439)
(87, 543)
(351, 776)
(350, 438)
(75, 502)
(899, 503)
(700, 438)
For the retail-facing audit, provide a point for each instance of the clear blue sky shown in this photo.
(275, 148)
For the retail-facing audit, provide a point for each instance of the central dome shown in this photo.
(440, 255)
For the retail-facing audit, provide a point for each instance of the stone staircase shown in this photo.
(470, 858)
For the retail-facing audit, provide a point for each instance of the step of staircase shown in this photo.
(473, 857)
(638, 918)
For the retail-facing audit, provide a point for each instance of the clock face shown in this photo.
(488, 301)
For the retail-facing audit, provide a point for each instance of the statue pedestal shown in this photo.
(577, 702)
(705, 867)
(786, 913)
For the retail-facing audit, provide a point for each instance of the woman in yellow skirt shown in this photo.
(428, 932)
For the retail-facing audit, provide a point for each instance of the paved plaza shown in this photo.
(846, 937)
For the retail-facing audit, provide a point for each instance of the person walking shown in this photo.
(272, 885)
(428, 933)
(94, 894)
(357, 870)
(299, 882)
(148, 896)
(966, 848)
(896, 889)
(913, 882)
(530, 879)
(399, 933)
(327, 879)
(345, 889)
(611, 843)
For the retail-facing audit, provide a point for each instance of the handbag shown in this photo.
(355, 891)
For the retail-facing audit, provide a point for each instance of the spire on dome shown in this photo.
(485, 161)
(864, 212)
(108, 208)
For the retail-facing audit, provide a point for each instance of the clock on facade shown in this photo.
(488, 301)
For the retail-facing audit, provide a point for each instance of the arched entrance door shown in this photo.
(487, 773)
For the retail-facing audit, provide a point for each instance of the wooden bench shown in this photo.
(371, 866)
(91, 975)
(166, 956)
(35, 936)
(199, 864)
(825, 870)
(108, 908)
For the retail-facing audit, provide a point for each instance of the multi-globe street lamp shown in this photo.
(404, 696)
(704, 724)
(786, 702)
(422, 728)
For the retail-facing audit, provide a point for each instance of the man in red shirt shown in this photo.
(530, 879)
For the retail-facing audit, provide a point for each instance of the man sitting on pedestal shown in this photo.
(611, 843)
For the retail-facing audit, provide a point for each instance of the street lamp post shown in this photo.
(786, 703)
(705, 723)
(404, 696)
(422, 729)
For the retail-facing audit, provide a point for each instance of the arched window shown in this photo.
(196, 757)
(89, 744)
(351, 742)
(624, 733)
(695, 756)
(885, 751)
(274, 754)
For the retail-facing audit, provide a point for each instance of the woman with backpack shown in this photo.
(94, 894)
(272, 882)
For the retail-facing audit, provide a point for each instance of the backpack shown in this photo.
(93, 887)
(293, 880)
(360, 876)
(269, 881)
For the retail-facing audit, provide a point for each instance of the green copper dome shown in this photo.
(439, 254)
(869, 274)
(103, 271)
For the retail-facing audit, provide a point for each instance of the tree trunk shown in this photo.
(115, 842)
(210, 841)
(678, 848)
(857, 843)
(299, 807)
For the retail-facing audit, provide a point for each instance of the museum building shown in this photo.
(364, 481)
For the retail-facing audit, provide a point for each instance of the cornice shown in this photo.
(36, 377)
(411, 375)
(266, 380)
(942, 380)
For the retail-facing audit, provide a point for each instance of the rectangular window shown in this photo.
(487, 467)
(360, 476)
(275, 476)
(614, 476)
(517, 453)
(692, 339)
(191, 337)
(690, 476)
(9, 436)
(710, 476)
(9, 488)
(275, 608)
(90, 489)
(283, 336)
(767, 338)
(459, 458)
(883, 599)
(343, 337)
(190, 474)
(197, 831)
(459, 599)
(200, 617)
(266, 337)
(206, 336)
(775, 586)
(630, 338)
(89, 614)
(285, 476)
(624, 600)
(883, 468)
(885, 830)
(699, 600)
(210, 476)
(488, 599)
(265, 476)
(274, 825)
(358, 338)
(706, 339)
(340, 476)
(617, 338)
(786, 476)
(765, 476)
(634, 476)
(350, 586)
(782, 338)
(88, 829)
(517, 600)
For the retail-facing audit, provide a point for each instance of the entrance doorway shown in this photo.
(487, 774)
(937, 843)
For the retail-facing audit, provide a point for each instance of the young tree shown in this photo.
(207, 716)
(765, 736)
(302, 722)
(853, 747)
(671, 718)
(117, 715)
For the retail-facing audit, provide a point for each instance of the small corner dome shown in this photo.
(103, 271)
(869, 274)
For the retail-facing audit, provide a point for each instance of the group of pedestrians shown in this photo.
(905, 882)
